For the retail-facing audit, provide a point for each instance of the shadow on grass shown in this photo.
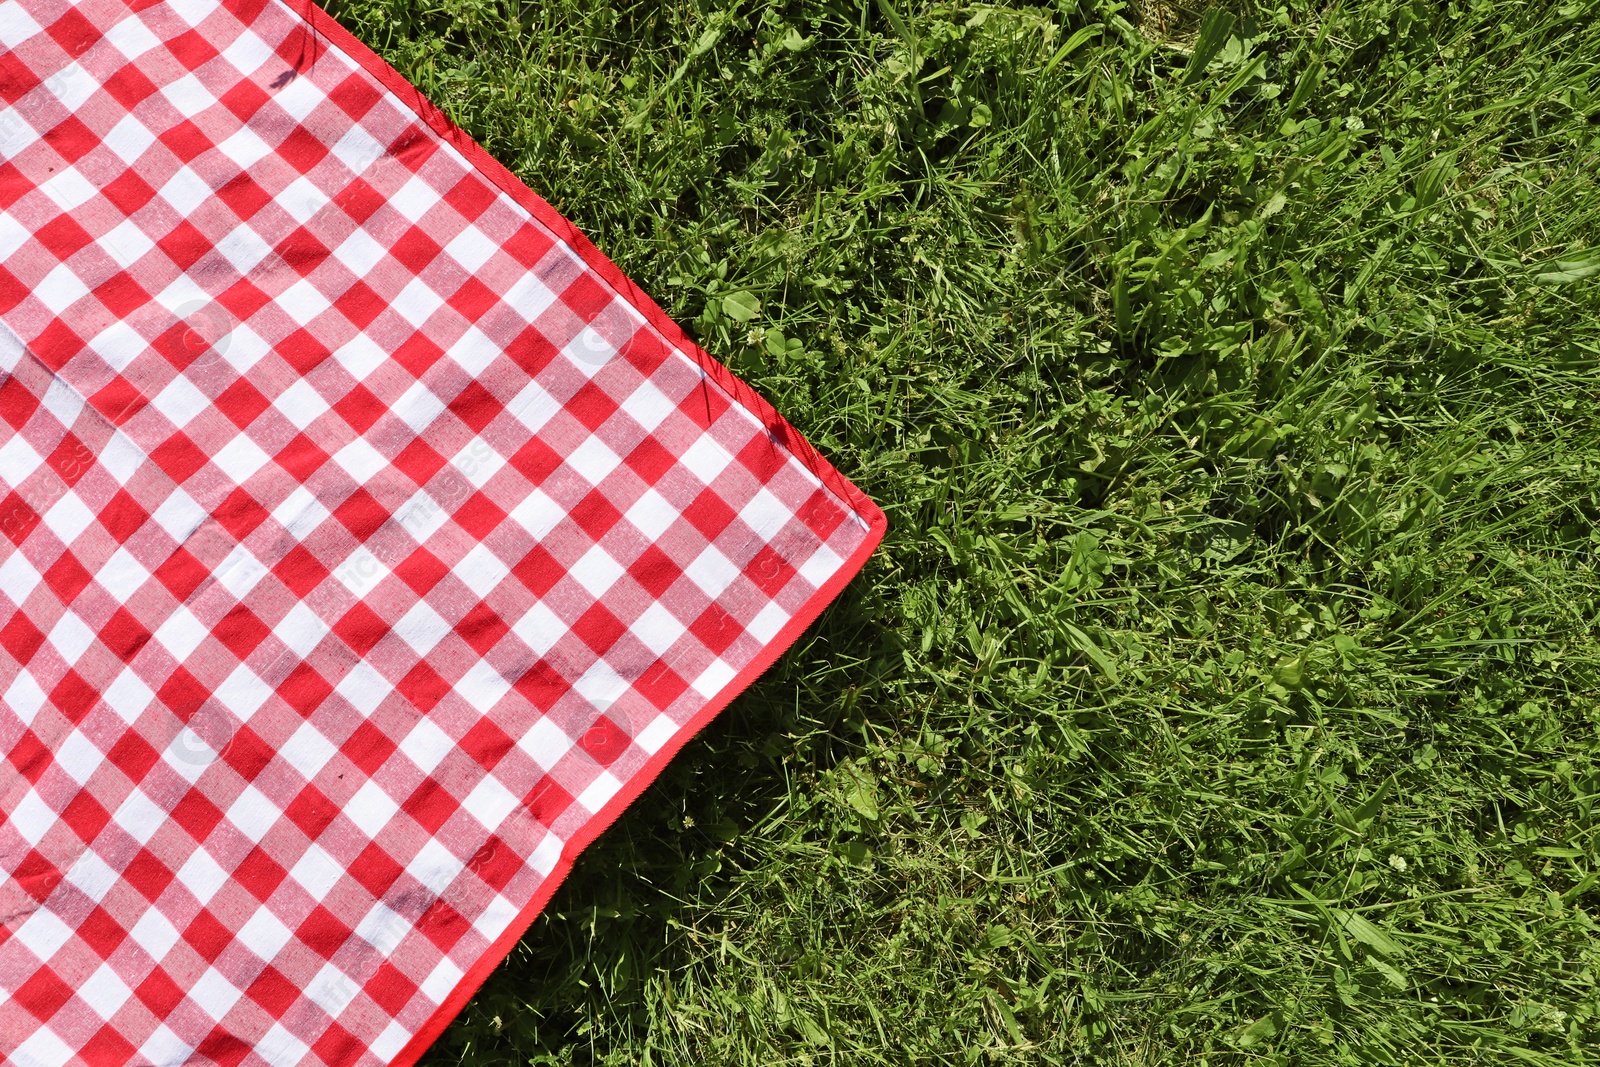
(640, 895)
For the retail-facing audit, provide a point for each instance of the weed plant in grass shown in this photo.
(1226, 689)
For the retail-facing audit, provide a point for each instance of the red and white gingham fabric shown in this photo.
(368, 542)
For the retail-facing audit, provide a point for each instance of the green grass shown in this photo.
(1226, 689)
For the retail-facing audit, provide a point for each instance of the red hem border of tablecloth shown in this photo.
(877, 522)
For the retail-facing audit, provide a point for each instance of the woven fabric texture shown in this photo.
(368, 542)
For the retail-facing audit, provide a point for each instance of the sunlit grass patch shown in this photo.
(1226, 689)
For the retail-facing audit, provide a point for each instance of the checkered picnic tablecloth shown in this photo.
(368, 542)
